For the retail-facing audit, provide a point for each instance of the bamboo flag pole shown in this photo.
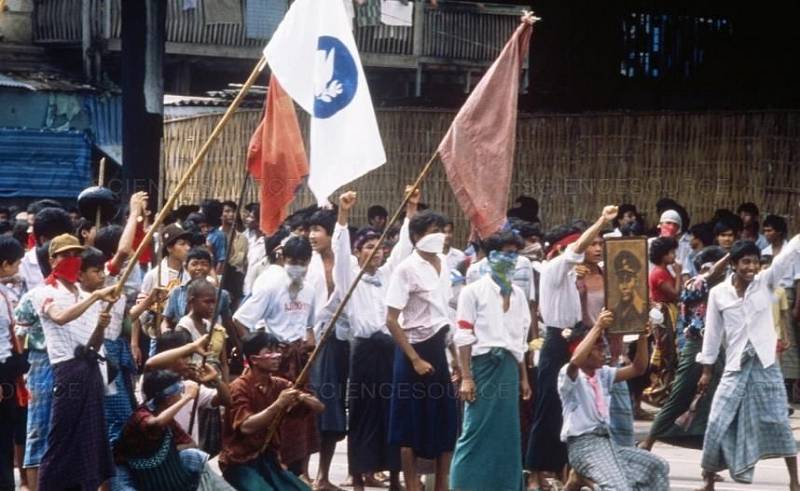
(196, 164)
(101, 179)
(329, 329)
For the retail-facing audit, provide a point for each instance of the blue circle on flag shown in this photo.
(336, 77)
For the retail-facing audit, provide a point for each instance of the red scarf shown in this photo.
(67, 269)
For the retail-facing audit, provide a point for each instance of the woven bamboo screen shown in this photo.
(573, 164)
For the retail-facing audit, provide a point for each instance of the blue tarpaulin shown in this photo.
(40, 163)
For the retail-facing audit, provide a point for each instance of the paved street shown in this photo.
(684, 470)
(684, 466)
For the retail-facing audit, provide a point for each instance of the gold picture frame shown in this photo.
(626, 286)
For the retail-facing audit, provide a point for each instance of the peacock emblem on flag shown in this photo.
(335, 77)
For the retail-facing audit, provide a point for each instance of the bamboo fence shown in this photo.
(573, 164)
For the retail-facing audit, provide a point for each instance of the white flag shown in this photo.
(315, 58)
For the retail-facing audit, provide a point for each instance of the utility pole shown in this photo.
(143, 39)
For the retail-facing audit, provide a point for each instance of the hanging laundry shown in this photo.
(397, 13)
(189, 4)
(368, 13)
(263, 16)
(222, 12)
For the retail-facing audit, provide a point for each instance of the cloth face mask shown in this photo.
(502, 265)
(431, 243)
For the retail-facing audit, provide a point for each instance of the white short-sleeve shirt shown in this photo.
(482, 323)
(422, 295)
(61, 341)
(285, 317)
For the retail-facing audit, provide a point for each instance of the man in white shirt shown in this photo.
(560, 308)
(330, 371)
(372, 349)
(285, 303)
(492, 337)
(584, 386)
(776, 233)
(256, 250)
(423, 414)
(454, 256)
(749, 419)
(48, 223)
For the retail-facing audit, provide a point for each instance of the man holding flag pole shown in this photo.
(314, 59)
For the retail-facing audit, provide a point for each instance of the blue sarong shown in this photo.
(749, 420)
(488, 453)
(118, 407)
(621, 414)
(423, 412)
(40, 385)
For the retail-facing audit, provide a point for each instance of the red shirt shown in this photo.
(250, 395)
(658, 276)
(141, 440)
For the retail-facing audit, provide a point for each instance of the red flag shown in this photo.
(478, 149)
(276, 157)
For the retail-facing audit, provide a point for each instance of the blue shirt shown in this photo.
(177, 308)
(217, 240)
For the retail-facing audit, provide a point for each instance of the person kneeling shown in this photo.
(154, 449)
(583, 385)
(258, 398)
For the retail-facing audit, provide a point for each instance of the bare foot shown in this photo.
(709, 480)
(325, 485)
(372, 481)
(646, 444)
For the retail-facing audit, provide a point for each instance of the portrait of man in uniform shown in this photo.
(626, 283)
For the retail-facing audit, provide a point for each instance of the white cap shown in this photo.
(671, 216)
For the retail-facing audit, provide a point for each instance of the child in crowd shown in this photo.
(155, 449)
(584, 386)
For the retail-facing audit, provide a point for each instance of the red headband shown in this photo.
(559, 246)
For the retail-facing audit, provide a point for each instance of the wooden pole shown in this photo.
(101, 179)
(304, 374)
(217, 310)
(196, 164)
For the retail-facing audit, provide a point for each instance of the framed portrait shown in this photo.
(626, 286)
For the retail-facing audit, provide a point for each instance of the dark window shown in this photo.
(669, 46)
